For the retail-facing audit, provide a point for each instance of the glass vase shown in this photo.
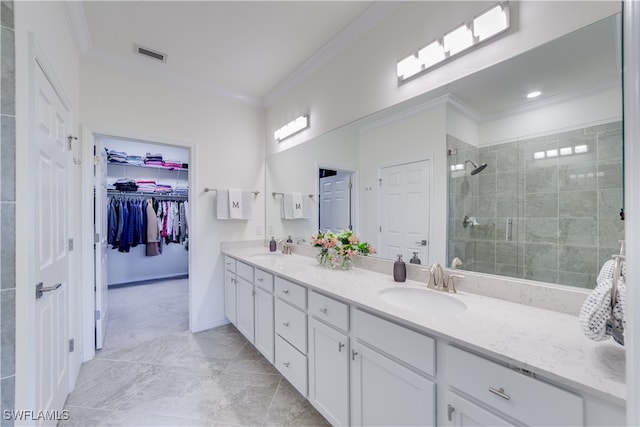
(323, 257)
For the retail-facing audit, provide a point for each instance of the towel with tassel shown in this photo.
(598, 317)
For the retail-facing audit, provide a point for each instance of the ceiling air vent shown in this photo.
(154, 54)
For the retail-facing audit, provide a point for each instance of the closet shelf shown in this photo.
(126, 165)
(133, 194)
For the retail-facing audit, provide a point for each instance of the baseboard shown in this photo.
(210, 325)
(148, 281)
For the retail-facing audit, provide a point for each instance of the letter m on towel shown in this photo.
(235, 204)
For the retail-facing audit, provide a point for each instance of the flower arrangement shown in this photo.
(338, 249)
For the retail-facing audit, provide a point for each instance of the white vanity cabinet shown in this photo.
(386, 388)
(501, 390)
(245, 309)
(329, 358)
(230, 289)
(291, 333)
(463, 413)
(264, 330)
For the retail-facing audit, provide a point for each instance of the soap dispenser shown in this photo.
(415, 259)
(399, 270)
(272, 245)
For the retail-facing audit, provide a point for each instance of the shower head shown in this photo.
(476, 168)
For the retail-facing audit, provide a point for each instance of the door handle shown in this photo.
(40, 289)
(421, 243)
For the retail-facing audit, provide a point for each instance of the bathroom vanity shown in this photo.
(361, 359)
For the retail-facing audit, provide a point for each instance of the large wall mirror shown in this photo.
(510, 185)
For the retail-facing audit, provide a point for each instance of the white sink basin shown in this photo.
(268, 255)
(422, 301)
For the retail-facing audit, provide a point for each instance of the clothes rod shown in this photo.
(134, 194)
(274, 194)
(207, 189)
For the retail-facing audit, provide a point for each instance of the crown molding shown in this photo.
(371, 17)
(76, 19)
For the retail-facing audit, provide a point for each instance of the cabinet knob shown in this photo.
(260, 279)
(285, 324)
(340, 346)
(286, 364)
(285, 291)
(500, 392)
(450, 411)
(322, 310)
(353, 354)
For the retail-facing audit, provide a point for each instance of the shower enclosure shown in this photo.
(544, 209)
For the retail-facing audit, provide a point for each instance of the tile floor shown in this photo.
(155, 374)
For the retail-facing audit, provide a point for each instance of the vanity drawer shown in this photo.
(526, 399)
(291, 292)
(291, 324)
(229, 264)
(264, 280)
(292, 365)
(245, 271)
(329, 310)
(410, 347)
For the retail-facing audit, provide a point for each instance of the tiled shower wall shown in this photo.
(564, 209)
(7, 209)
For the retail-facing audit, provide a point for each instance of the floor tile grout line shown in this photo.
(127, 412)
(275, 393)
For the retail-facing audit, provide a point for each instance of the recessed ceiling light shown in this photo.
(534, 94)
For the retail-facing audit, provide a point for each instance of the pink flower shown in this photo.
(353, 239)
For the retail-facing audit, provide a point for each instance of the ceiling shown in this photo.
(245, 48)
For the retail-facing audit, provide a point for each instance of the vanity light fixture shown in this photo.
(534, 94)
(291, 128)
(483, 27)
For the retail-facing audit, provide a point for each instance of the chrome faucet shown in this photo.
(286, 247)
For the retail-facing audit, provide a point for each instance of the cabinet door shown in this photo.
(461, 412)
(245, 308)
(230, 296)
(384, 392)
(264, 332)
(329, 372)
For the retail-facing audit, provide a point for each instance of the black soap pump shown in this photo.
(272, 245)
(289, 239)
(399, 270)
(415, 259)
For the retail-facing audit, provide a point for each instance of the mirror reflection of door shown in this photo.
(335, 200)
(404, 210)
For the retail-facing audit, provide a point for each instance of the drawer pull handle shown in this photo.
(286, 364)
(500, 392)
(353, 354)
(450, 411)
(285, 291)
(260, 279)
(322, 310)
(285, 324)
(340, 346)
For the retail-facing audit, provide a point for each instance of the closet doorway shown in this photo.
(141, 244)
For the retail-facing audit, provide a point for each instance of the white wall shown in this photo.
(227, 150)
(46, 20)
(362, 80)
(413, 138)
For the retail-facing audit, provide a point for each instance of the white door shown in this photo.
(52, 127)
(462, 413)
(385, 393)
(100, 243)
(230, 296)
(335, 202)
(404, 210)
(329, 372)
(264, 331)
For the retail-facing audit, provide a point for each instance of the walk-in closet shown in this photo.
(142, 210)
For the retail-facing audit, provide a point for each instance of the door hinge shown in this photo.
(72, 345)
(380, 228)
(96, 237)
(97, 314)
(350, 185)
(96, 160)
(70, 244)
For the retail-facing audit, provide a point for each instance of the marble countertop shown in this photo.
(548, 343)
